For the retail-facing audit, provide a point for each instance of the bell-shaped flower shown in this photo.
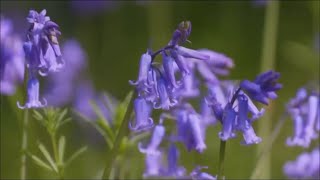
(173, 169)
(211, 100)
(157, 136)
(153, 165)
(168, 65)
(228, 120)
(263, 87)
(207, 113)
(33, 95)
(181, 62)
(297, 139)
(189, 88)
(142, 82)
(190, 53)
(194, 124)
(309, 129)
(165, 101)
(142, 111)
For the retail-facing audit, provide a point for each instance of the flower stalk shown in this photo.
(24, 145)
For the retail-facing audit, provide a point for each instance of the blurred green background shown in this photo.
(116, 35)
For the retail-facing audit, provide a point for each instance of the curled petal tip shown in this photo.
(19, 106)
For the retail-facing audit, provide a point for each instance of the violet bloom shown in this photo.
(153, 165)
(11, 59)
(228, 120)
(43, 35)
(142, 82)
(142, 111)
(172, 159)
(306, 166)
(157, 136)
(190, 85)
(196, 174)
(168, 65)
(33, 95)
(166, 100)
(263, 87)
(304, 110)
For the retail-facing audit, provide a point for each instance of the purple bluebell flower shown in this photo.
(263, 87)
(190, 53)
(84, 94)
(11, 59)
(60, 86)
(33, 95)
(142, 111)
(172, 159)
(306, 166)
(142, 82)
(169, 69)
(228, 120)
(153, 165)
(45, 50)
(165, 99)
(217, 108)
(190, 86)
(207, 113)
(157, 136)
(181, 62)
(304, 110)
(196, 174)
(194, 121)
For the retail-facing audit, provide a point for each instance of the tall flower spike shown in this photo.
(263, 87)
(33, 95)
(157, 136)
(43, 34)
(142, 111)
(228, 119)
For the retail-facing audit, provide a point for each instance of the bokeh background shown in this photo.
(114, 34)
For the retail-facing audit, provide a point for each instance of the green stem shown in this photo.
(123, 131)
(56, 155)
(24, 145)
(268, 62)
(221, 159)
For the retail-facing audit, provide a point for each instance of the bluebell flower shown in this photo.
(11, 59)
(196, 174)
(45, 52)
(304, 111)
(165, 99)
(142, 83)
(153, 165)
(33, 95)
(306, 166)
(207, 113)
(142, 111)
(169, 69)
(181, 62)
(157, 136)
(263, 87)
(228, 121)
(172, 159)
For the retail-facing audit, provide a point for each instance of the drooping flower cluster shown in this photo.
(171, 84)
(304, 110)
(11, 58)
(42, 52)
(306, 166)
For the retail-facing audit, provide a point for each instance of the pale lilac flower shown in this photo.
(165, 99)
(172, 159)
(263, 87)
(153, 165)
(11, 59)
(306, 166)
(143, 120)
(168, 65)
(157, 136)
(228, 120)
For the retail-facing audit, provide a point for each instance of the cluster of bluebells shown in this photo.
(42, 54)
(304, 110)
(11, 59)
(171, 84)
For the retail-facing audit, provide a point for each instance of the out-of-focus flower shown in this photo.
(198, 175)
(306, 166)
(172, 158)
(304, 110)
(61, 86)
(263, 87)
(157, 136)
(153, 165)
(11, 58)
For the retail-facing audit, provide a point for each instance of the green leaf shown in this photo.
(41, 163)
(76, 154)
(48, 157)
(121, 110)
(37, 115)
(107, 129)
(61, 115)
(61, 146)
